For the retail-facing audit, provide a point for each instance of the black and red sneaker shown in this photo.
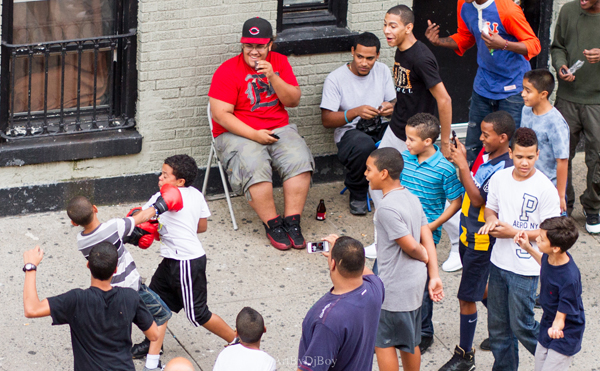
(277, 234)
(292, 226)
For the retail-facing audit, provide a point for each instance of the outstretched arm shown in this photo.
(34, 308)
(522, 239)
(143, 215)
(433, 35)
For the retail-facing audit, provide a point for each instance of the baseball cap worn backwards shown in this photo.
(256, 31)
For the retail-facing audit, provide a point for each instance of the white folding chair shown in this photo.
(213, 153)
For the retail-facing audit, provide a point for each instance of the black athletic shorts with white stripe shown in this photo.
(182, 284)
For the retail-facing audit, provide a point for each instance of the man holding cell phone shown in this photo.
(248, 95)
(577, 39)
(505, 44)
(339, 330)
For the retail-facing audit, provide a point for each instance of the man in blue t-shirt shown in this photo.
(339, 330)
(505, 44)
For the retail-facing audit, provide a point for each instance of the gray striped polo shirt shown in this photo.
(113, 231)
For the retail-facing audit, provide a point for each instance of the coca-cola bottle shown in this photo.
(321, 211)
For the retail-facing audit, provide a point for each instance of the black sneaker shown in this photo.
(460, 361)
(292, 227)
(277, 234)
(485, 345)
(426, 342)
(592, 223)
(358, 207)
(139, 351)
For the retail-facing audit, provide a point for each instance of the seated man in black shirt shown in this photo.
(100, 317)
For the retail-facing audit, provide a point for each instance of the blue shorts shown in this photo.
(156, 306)
(475, 273)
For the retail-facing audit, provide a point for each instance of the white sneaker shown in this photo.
(371, 251)
(453, 263)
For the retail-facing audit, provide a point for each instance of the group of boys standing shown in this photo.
(504, 201)
(495, 210)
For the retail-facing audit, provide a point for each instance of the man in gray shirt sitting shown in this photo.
(355, 97)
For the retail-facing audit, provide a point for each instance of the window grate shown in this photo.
(86, 81)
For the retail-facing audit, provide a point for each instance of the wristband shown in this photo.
(346, 117)
(505, 45)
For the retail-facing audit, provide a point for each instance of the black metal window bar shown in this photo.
(109, 112)
(298, 13)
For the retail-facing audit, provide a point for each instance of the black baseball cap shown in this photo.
(256, 31)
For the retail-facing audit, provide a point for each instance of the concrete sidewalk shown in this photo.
(242, 270)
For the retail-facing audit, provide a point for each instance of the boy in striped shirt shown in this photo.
(429, 176)
(83, 213)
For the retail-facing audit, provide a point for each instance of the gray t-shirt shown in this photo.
(400, 214)
(343, 90)
(552, 132)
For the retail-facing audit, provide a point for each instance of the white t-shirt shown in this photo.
(524, 205)
(238, 357)
(343, 90)
(178, 229)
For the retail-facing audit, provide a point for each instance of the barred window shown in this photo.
(67, 67)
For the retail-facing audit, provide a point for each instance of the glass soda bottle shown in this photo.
(321, 211)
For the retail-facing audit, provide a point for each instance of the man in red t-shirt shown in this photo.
(248, 95)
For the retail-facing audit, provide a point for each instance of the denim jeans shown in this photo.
(156, 306)
(481, 107)
(426, 313)
(511, 298)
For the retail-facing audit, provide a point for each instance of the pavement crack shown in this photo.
(184, 348)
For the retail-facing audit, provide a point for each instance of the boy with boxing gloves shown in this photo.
(180, 279)
(117, 232)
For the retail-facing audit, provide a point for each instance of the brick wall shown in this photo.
(180, 45)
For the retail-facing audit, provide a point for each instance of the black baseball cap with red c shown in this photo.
(256, 31)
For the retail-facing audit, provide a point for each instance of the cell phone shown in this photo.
(256, 65)
(564, 71)
(274, 136)
(321, 246)
(379, 108)
(454, 139)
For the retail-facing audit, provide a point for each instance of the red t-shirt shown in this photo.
(255, 101)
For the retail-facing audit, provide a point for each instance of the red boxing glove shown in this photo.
(169, 200)
(143, 235)
(134, 211)
(149, 232)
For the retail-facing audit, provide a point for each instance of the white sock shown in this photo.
(152, 361)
